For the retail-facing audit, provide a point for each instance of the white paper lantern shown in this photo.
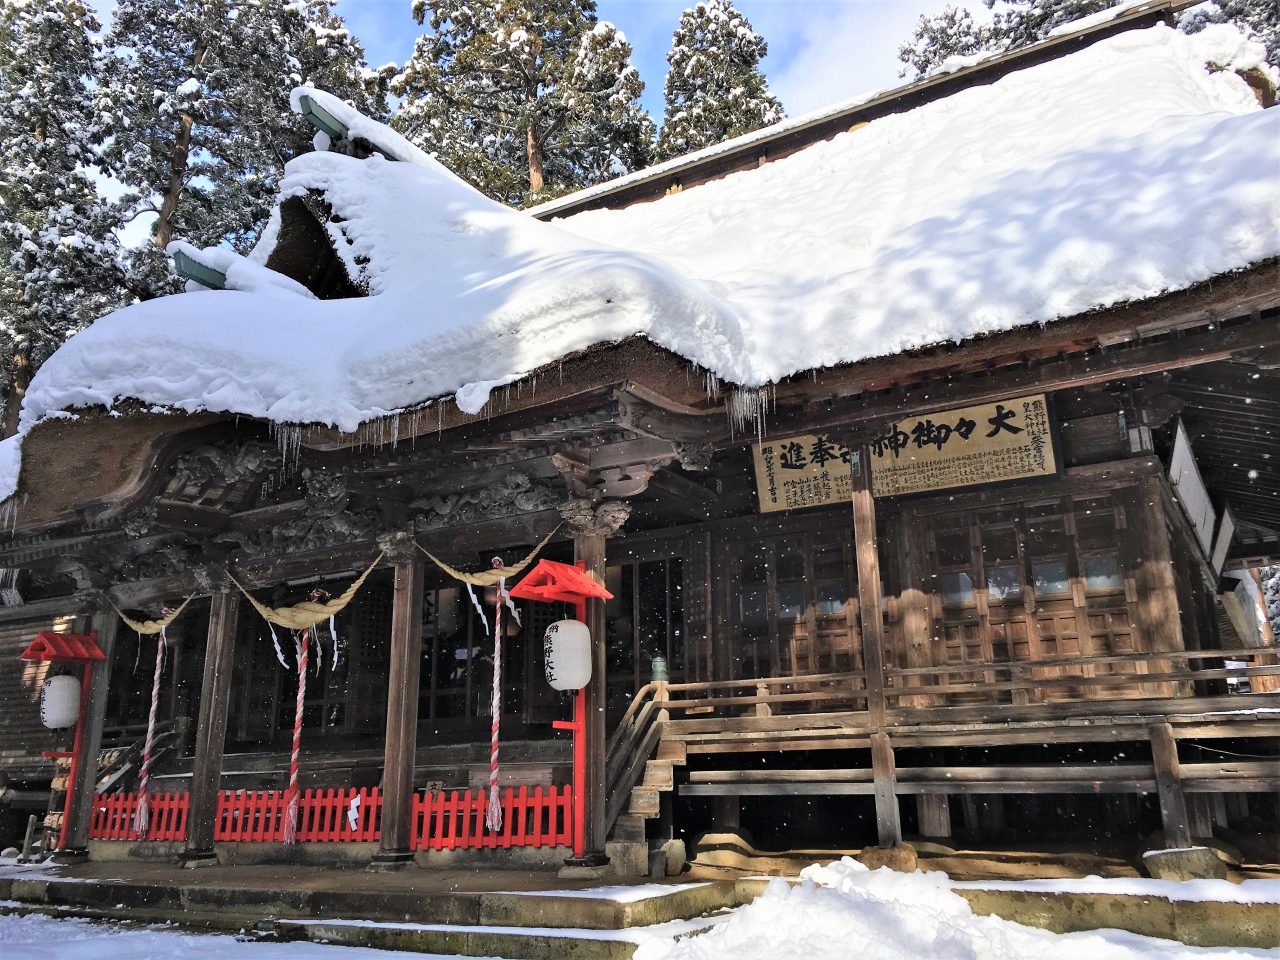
(567, 645)
(60, 702)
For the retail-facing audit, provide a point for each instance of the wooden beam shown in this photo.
(211, 729)
(1173, 804)
(106, 622)
(868, 560)
(934, 390)
(888, 821)
(394, 845)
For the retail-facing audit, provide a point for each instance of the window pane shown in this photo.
(1051, 576)
(790, 566)
(1101, 573)
(953, 549)
(756, 572)
(1004, 583)
(791, 601)
(752, 605)
(830, 599)
(956, 587)
(999, 546)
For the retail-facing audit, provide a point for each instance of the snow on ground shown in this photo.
(36, 937)
(1120, 172)
(847, 912)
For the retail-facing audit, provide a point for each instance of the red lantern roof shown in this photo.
(550, 581)
(64, 648)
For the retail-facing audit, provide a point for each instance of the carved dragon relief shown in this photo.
(514, 495)
(226, 465)
(326, 521)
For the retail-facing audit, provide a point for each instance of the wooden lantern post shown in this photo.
(551, 582)
(82, 649)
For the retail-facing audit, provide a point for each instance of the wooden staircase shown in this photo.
(640, 768)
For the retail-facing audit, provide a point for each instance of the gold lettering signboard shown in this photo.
(959, 448)
(808, 471)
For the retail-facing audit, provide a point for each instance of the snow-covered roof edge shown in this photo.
(1124, 18)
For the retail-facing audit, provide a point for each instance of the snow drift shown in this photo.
(846, 911)
(1138, 166)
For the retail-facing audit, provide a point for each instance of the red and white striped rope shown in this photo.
(493, 816)
(291, 810)
(141, 815)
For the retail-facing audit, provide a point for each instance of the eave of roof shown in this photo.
(790, 136)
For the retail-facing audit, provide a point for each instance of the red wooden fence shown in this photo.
(324, 816)
(541, 818)
(112, 817)
(451, 822)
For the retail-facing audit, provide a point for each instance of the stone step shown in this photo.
(659, 774)
(673, 751)
(644, 801)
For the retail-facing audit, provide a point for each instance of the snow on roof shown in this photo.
(1117, 173)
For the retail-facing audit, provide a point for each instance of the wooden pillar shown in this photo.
(211, 725)
(394, 846)
(1157, 588)
(589, 548)
(1173, 803)
(868, 557)
(934, 810)
(726, 815)
(888, 822)
(105, 622)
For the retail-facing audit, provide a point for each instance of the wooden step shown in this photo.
(673, 751)
(644, 802)
(660, 774)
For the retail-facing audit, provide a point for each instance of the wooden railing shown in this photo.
(632, 744)
(113, 813)
(324, 816)
(972, 688)
(453, 822)
(543, 817)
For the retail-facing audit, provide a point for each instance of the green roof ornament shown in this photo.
(191, 269)
(322, 119)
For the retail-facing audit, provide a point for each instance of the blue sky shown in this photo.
(820, 51)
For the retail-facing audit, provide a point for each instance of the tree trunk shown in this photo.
(534, 149)
(18, 381)
(177, 178)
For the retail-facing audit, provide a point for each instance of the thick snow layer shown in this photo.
(1120, 172)
(36, 937)
(845, 910)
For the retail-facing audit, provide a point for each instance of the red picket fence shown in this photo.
(324, 816)
(451, 822)
(112, 817)
(541, 818)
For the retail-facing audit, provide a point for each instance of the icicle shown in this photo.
(9, 587)
(747, 407)
(479, 609)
